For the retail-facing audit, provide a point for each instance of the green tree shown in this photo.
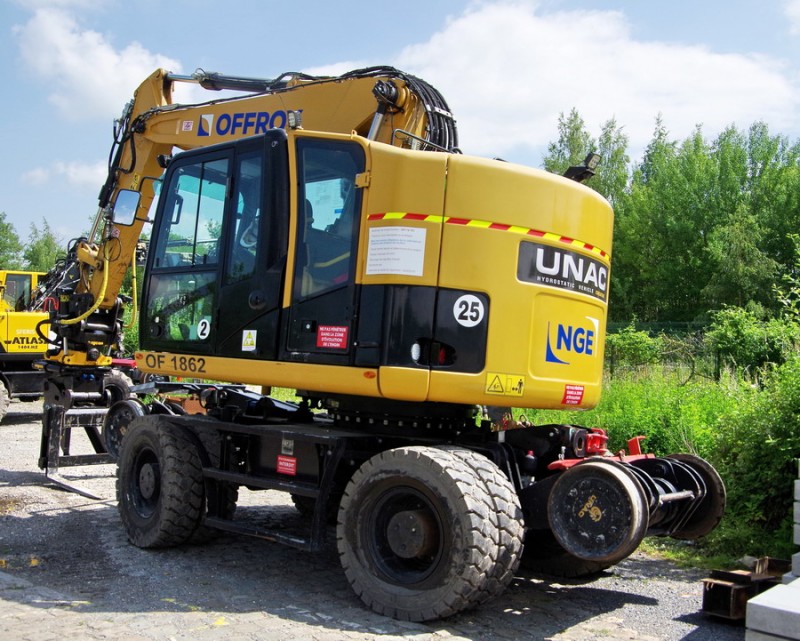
(10, 245)
(42, 249)
(613, 172)
(774, 190)
(574, 142)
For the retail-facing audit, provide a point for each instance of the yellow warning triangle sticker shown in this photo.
(496, 386)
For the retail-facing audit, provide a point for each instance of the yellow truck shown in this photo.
(20, 344)
(326, 234)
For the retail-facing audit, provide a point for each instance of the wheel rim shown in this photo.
(405, 537)
(116, 426)
(145, 483)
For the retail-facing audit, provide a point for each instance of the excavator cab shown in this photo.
(231, 246)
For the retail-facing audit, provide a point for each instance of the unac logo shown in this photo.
(564, 342)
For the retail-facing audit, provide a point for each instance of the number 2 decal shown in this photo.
(468, 310)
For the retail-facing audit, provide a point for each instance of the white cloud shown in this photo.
(82, 174)
(791, 9)
(35, 177)
(74, 173)
(508, 69)
(89, 76)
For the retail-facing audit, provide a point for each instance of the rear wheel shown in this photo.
(160, 489)
(415, 535)
(506, 518)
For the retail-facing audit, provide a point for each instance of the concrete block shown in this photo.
(787, 578)
(776, 612)
(797, 490)
(796, 564)
(797, 534)
(797, 512)
(755, 635)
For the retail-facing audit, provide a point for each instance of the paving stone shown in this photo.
(755, 635)
(776, 611)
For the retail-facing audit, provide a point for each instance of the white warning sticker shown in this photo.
(249, 340)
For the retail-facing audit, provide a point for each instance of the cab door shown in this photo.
(322, 314)
(218, 252)
(253, 270)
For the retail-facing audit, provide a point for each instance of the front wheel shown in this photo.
(160, 490)
(415, 534)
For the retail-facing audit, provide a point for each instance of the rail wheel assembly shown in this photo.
(598, 510)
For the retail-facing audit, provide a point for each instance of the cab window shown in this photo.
(244, 243)
(183, 283)
(328, 222)
(194, 208)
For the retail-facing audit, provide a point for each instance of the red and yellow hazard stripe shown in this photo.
(485, 224)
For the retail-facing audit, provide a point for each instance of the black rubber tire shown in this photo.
(160, 489)
(597, 511)
(209, 441)
(5, 401)
(506, 517)
(711, 509)
(117, 421)
(117, 387)
(415, 536)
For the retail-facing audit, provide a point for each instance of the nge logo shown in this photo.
(568, 339)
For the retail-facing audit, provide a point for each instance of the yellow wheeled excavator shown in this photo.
(20, 345)
(326, 234)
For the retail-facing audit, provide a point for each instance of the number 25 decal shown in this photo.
(468, 310)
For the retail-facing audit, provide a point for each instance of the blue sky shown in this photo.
(508, 68)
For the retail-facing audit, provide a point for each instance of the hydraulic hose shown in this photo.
(98, 300)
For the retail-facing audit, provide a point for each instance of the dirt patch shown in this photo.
(7, 506)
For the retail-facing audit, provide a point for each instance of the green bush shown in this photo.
(674, 417)
(756, 450)
(631, 348)
(747, 342)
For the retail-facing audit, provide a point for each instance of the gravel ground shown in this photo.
(68, 572)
